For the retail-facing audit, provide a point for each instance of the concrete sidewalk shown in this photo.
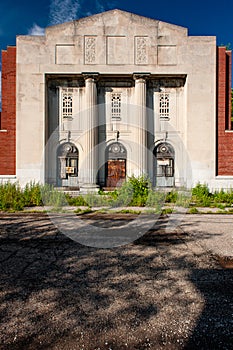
(213, 232)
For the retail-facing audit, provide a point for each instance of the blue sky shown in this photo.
(201, 17)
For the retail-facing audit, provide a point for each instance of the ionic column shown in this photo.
(91, 133)
(140, 101)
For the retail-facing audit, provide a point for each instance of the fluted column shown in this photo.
(91, 135)
(140, 101)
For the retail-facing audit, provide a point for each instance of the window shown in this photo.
(164, 105)
(165, 167)
(67, 102)
(67, 160)
(164, 154)
(116, 105)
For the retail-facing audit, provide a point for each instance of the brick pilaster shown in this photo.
(8, 115)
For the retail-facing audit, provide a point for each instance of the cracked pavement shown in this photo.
(166, 290)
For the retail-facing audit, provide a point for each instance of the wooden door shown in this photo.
(116, 171)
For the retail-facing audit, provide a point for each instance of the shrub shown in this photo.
(113, 195)
(11, 197)
(134, 192)
(76, 201)
(166, 211)
(171, 197)
(52, 197)
(201, 195)
(183, 199)
(223, 197)
(32, 194)
(200, 190)
(156, 200)
(125, 195)
(93, 199)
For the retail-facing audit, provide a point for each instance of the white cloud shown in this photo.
(64, 11)
(68, 10)
(36, 30)
(101, 6)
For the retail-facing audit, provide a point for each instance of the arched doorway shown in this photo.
(67, 160)
(164, 158)
(116, 165)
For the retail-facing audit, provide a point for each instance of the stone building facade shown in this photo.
(112, 95)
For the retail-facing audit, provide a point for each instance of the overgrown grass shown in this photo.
(76, 201)
(193, 210)
(202, 197)
(135, 191)
(80, 211)
(129, 211)
(15, 198)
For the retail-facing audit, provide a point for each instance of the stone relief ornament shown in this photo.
(141, 50)
(90, 50)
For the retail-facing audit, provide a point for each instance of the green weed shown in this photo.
(193, 211)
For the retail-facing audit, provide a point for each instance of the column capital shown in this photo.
(141, 76)
(90, 75)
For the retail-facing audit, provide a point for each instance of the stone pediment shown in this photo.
(116, 38)
(116, 22)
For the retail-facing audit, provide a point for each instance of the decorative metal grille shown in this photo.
(116, 105)
(67, 102)
(164, 105)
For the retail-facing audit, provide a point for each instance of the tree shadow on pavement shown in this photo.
(158, 292)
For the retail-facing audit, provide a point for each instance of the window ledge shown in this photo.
(3, 130)
(229, 131)
(7, 177)
(164, 119)
(224, 177)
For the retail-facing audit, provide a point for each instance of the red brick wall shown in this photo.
(224, 135)
(8, 115)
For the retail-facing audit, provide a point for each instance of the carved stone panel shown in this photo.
(141, 50)
(167, 55)
(117, 50)
(90, 50)
(65, 54)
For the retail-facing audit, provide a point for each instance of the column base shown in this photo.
(89, 188)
